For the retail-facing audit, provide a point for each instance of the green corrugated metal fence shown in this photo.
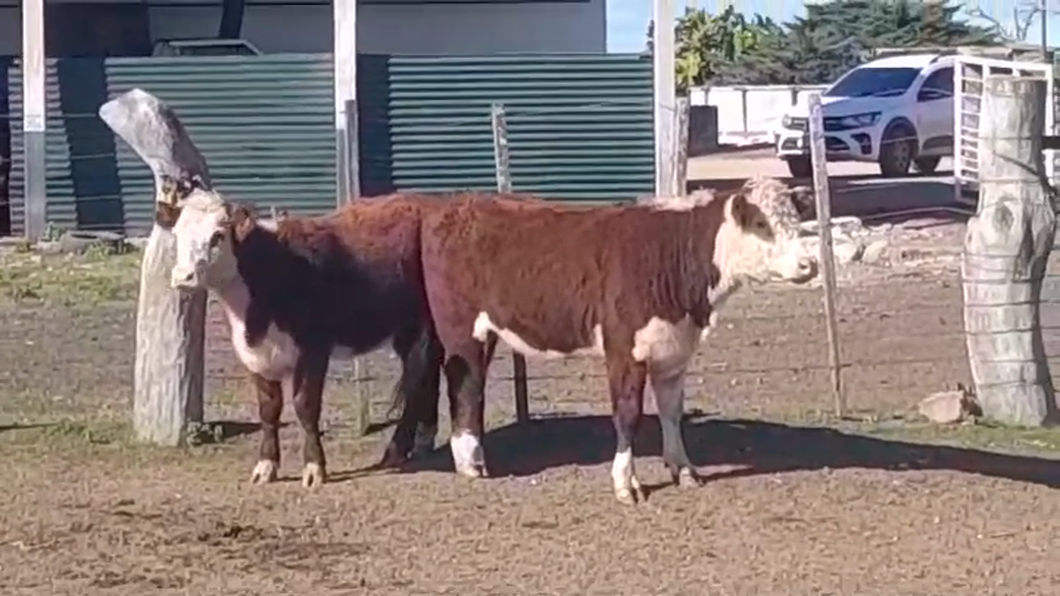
(580, 125)
(580, 128)
(264, 124)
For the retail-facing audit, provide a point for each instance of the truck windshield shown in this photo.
(867, 81)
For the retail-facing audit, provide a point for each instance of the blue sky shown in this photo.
(627, 20)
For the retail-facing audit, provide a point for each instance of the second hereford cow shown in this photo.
(639, 285)
(298, 291)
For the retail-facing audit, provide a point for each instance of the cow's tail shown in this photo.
(420, 373)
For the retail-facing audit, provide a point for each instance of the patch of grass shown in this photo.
(94, 278)
(970, 434)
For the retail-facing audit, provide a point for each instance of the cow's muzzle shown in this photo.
(805, 269)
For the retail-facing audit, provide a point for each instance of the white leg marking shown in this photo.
(468, 457)
(627, 487)
(670, 398)
(264, 472)
(312, 475)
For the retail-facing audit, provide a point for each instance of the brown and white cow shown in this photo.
(299, 290)
(639, 285)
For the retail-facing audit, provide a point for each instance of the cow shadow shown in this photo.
(756, 447)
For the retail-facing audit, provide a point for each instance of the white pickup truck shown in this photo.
(895, 111)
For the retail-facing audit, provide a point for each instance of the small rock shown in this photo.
(874, 252)
(847, 252)
(49, 247)
(947, 407)
(138, 242)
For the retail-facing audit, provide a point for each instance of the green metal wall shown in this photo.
(580, 128)
(580, 125)
(264, 124)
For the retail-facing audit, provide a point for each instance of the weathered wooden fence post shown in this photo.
(504, 184)
(680, 152)
(1006, 251)
(823, 203)
(170, 325)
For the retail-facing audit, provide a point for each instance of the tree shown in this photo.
(706, 43)
(831, 38)
(1023, 14)
(842, 31)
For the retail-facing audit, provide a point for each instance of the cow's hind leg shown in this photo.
(626, 379)
(270, 406)
(670, 397)
(465, 371)
(308, 390)
(417, 393)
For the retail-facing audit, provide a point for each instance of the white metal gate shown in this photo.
(968, 75)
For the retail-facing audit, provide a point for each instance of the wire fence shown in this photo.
(68, 336)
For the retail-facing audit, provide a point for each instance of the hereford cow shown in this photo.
(299, 290)
(639, 285)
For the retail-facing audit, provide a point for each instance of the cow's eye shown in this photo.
(216, 239)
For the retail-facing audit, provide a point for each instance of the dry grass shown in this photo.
(29, 279)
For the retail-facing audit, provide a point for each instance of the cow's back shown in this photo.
(352, 276)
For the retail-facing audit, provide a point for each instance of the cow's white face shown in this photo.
(759, 238)
(203, 232)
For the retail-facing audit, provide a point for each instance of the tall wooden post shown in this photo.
(665, 93)
(1006, 252)
(34, 118)
(347, 176)
(170, 325)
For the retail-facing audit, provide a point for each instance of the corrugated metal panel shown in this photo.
(264, 124)
(580, 126)
(5, 147)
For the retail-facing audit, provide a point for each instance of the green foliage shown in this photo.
(728, 48)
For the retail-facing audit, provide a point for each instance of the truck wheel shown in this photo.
(897, 151)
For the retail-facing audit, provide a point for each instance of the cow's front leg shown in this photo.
(270, 406)
(670, 398)
(465, 372)
(626, 379)
(308, 390)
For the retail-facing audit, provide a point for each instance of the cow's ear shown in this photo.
(740, 210)
(241, 219)
(166, 214)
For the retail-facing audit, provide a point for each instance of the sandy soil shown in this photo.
(798, 503)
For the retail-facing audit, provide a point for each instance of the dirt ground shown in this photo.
(798, 502)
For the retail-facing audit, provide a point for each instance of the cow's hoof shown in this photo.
(630, 496)
(313, 475)
(472, 471)
(688, 478)
(392, 459)
(264, 472)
